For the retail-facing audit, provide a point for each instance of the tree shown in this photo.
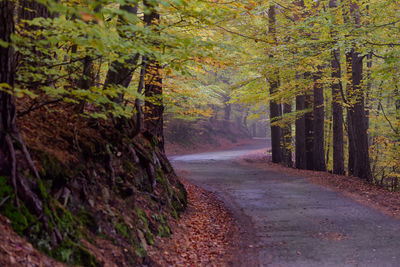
(275, 108)
(318, 124)
(154, 107)
(10, 138)
(337, 110)
(357, 125)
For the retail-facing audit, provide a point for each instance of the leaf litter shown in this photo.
(204, 236)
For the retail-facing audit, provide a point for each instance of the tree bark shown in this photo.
(337, 116)
(318, 125)
(154, 107)
(359, 164)
(300, 148)
(275, 108)
(287, 138)
(120, 73)
(9, 132)
(362, 167)
(309, 130)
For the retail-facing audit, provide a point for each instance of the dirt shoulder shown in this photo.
(16, 251)
(370, 195)
(173, 149)
(204, 236)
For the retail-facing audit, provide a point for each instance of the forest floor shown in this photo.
(203, 236)
(252, 212)
(173, 149)
(288, 217)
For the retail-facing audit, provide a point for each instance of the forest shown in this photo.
(91, 92)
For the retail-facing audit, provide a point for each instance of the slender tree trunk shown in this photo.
(350, 132)
(138, 106)
(318, 125)
(227, 112)
(300, 149)
(300, 135)
(275, 108)
(287, 138)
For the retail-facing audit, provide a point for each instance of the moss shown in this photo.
(163, 231)
(149, 237)
(122, 229)
(5, 188)
(140, 251)
(87, 220)
(20, 217)
(147, 233)
(73, 253)
(129, 166)
(142, 215)
(66, 222)
(54, 171)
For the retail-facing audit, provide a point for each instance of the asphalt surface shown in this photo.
(287, 221)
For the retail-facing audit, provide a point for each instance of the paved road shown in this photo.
(287, 221)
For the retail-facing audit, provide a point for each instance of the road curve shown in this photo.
(287, 221)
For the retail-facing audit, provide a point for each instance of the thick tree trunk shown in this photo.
(287, 138)
(275, 114)
(9, 133)
(30, 9)
(120, 73)
(309, 131)
(300, 149)
(318, 125)
(7, 106)
(154, 107)
(337, 116)
(275, 108)
(362, 167)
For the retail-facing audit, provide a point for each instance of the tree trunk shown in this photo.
(309, 131)
(362, 167)
(7, 106)
(300, 149)
(275, 108)
(287, 138)
(120, 73)
(350, 132)
(337, 116)
(318, 125)
(9, 132)
(359, 164)
(30, 9)
(227, 112)
(154, 108)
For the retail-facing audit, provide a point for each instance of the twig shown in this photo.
(386, 118)
(33, 107)
(27, 156)
(4, 200)
(13, 167)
